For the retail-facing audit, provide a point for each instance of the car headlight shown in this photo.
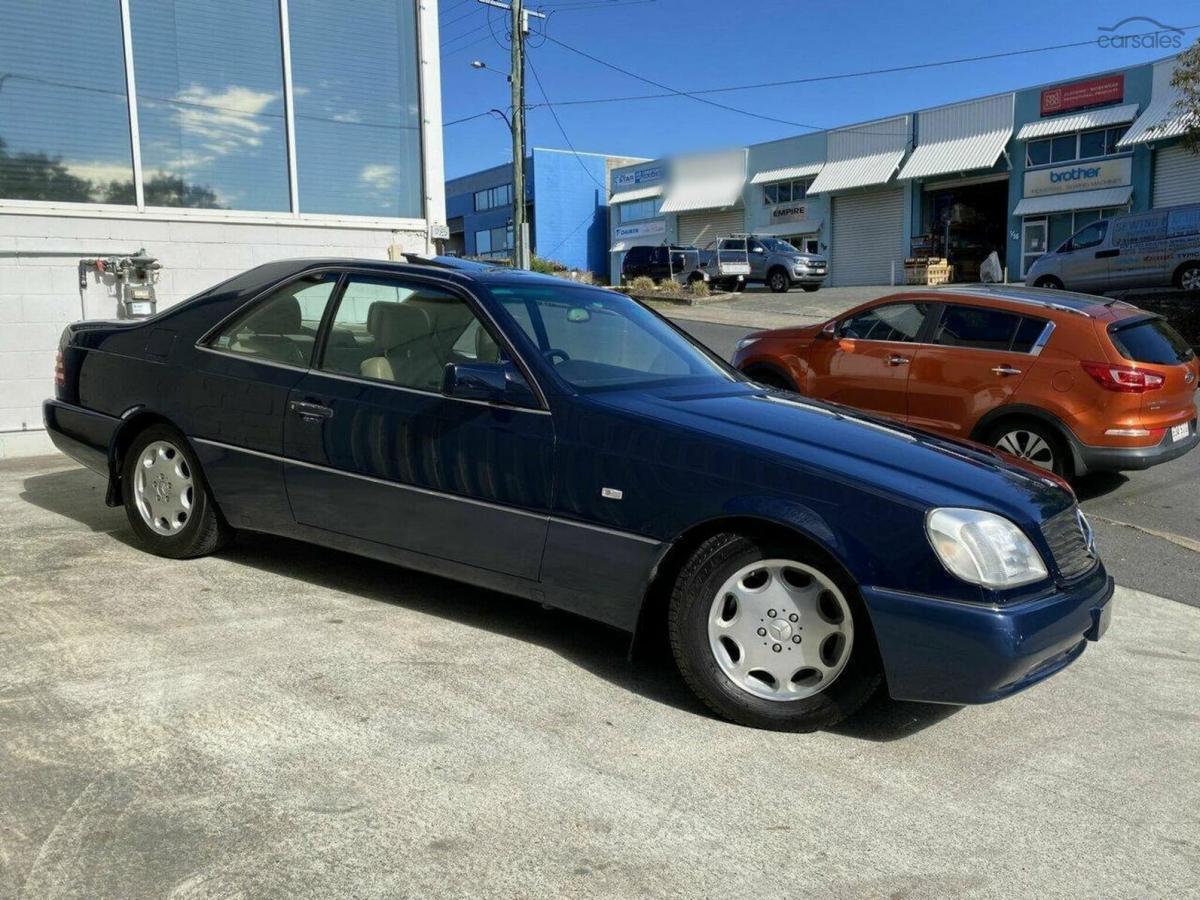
(744, 343)
(983, 548)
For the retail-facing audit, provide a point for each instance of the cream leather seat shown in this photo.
(404, 340)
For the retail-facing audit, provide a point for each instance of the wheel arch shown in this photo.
(1016, 412)
(1177, 275)
(133, 421)
(798, 525)
(765, 367)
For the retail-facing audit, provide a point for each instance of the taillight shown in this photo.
(1123, 379)
(60, 370)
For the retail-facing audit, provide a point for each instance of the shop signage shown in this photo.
(1083, 176)
(789, 212)
(656, 226)
(1080, 94)
(648, 175)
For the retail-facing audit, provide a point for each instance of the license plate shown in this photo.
(1180, 432)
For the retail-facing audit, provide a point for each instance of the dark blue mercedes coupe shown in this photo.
(568, 445)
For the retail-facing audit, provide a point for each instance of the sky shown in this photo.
(699, 44)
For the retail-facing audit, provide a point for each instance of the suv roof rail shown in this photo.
(1027, 296)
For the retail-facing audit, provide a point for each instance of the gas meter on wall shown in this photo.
(133, 276)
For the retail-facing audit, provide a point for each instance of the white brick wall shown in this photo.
(40, 295)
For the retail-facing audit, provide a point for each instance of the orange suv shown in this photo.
(1069, 382)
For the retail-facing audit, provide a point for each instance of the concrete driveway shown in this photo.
(281, 721)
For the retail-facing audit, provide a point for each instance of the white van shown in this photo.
(1160, 248)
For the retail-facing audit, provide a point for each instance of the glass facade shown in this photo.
(493, 198)
(64, 117)
(211, 105)
(210, 111)
(358, 117)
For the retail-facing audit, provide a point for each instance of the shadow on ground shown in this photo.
(1098, 484)
(79, 495)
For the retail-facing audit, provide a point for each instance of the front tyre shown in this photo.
(167, 500)
(771, 636)
(779, 282)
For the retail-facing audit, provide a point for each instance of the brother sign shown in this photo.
(1087, 177)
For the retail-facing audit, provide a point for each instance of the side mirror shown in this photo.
(758, 250)
(499, 382)
(830, 331)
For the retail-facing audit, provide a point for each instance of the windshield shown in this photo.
(777, 246)
(598, 340)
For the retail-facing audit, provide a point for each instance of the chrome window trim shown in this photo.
(377, 382)
(246, 357)
(427, 491)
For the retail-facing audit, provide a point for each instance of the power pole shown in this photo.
(516, 77)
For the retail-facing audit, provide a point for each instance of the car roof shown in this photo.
(1088, 305)
(450, 268)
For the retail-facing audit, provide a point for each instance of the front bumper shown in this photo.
(1089, 458)
(938, 651)
(808, 276)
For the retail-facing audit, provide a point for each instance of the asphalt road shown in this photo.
(1147, 523)
(280, 720)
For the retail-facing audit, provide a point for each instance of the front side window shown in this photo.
(210, 103)
(977, 328)
(403, 333)
(1090, 236)
(775, 245)
(283, 327)
(64, 116)
(358, 112)
(893, 322)
(600, 340)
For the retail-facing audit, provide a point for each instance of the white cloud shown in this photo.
(379, 177)
(350, 115)
(227, 120)
(100, 172)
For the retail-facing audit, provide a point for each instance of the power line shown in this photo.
(665, 87)
(562, 131)
(790, 82)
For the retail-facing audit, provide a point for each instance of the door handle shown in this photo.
(1005, 370)
(897, 360)
(310, 411)
(1106, 254)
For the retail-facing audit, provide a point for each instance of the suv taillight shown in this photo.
(1123, 379)
(60, 371)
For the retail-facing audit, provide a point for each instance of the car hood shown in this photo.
(831, 441)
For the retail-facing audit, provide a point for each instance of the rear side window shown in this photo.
(1150, 341)
(1028, 333)
(977, 327)
(282, 328)
(892, 322)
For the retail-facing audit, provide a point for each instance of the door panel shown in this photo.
(868, 375)
(375, 452)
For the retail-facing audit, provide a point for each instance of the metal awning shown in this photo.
(1163, 118)
(865, 155)
(807, 226)
(961, 137)
(1034, 206)
(787, 173)
(1092, 118)
(636, 194)
(686, 196)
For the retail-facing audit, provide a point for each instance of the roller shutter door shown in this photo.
(1176, 177)
(868, 230)
(700, 228)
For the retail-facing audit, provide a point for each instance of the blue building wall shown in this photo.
(1138, 82)
(570, 215)
(570, 207)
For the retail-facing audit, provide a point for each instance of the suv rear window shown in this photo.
(1150, 341)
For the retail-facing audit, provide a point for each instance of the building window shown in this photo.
(494, 243)
(493, 198)
(357, 107)
(210, 103)
(785, 191)
(1070, 147)
(639, 209)
(64, 116)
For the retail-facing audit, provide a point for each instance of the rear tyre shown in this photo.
(167, 500)
(1031, 441)
(1188, 277)
(770, 635)
(778, 281)
(1050, 282)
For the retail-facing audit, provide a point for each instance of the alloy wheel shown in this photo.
(163, 488)
(780, 630)
(779, 282)
(1189, 279)
(1028, 446)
